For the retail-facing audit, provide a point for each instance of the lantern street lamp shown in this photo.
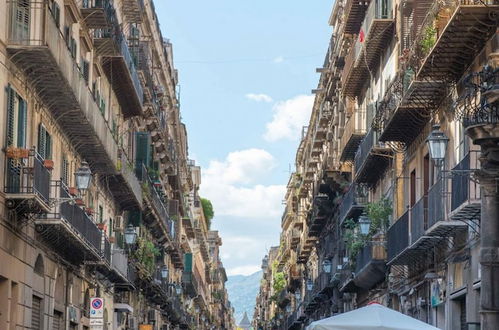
(327, 266)
(297, 295)
(130, 235)
(310, 285)
(437, 145)
(364, 224)
(83, 176)
(164, 272)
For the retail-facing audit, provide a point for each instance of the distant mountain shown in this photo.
(242, 293)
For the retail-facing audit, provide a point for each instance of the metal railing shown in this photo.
(398, 236)
(76, 218)
(364, 256)
(128, 59)
(106, 248)
(464, 189)
(418, 216)
(356, 196)
(364, 150)
(120, 262)
(28, 176)
(436, 203)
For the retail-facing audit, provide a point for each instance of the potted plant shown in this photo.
(79, 202)
(17, 153)
(112, 239)
(49, 164)
(101, 226)
(89, 210)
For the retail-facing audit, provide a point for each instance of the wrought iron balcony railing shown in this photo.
(353, 202)
(28, 179)
(398, 237)
(371, 159)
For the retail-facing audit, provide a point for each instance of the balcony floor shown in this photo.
(116, 69)
(374, 166)
(94, 17)
(351, 147)
(462, 39)
(45, 77)
(371, 274)
(66, 241)
(467, 212)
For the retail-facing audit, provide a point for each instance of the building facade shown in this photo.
(372, 214)
(89, 93)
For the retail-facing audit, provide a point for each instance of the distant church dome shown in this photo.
(245, 322)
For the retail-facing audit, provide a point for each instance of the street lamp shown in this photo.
(327, 266)
(297, 295)
(437, 145)
(310, 285)
(83, 176)
(130, 235)
(164, 272)
(364, 224)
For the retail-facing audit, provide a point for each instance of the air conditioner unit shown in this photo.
(119, 225)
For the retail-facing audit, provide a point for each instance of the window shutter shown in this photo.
(41, 140)
(48, 145)
(142, 149)
(22, 123)
(188, 262)
(65, 171)
(10, 115)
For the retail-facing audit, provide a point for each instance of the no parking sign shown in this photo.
(96, 308)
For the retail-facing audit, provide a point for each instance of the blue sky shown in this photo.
(246, 69)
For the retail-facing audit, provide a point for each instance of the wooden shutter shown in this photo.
(188, 262)
(41, 140)
(21, 123)
(36, 313)
(48, 145)
(58, 323)
(142, 149)
(65, 171)
(10, 115)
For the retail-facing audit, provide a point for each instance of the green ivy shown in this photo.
(145, 253)
(279, 282)
(208, 211)
(429, 39)
(379, 213)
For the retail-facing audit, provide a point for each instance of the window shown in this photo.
(36, 313)
(44, 142)
(85, 69)
(17, 114)
(101, 214)
(21, 20)
(65, 171)
(55, 10)
(39, 265)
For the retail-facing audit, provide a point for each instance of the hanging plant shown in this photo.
(379, 213)
(429, 39)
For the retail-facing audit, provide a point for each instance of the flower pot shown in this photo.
(49, 164)
(101, 226)
(73, 191)
(89, 211)
(79, 202)
(112, 239)
(17, 153)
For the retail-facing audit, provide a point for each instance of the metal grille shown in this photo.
(398, 236)
(36, 313)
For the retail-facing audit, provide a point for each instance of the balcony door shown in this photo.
(20, 21)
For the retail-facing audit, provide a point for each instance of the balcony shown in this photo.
(97, 13)
(370, 266)
(422, 227)
(70, 231)
(132, 9)
(465, 193)
(371, 160)
(155, 202)
(27, 185)
(457, 40)
(42, 53)
(353, 203)
(119, 68)
(406, 107)
(125, 186)
(355, 12)
(188, 227)
(364, 54)
(322, 211)
(355, 130)
(190, 284)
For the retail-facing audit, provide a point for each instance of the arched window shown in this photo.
(39, 266)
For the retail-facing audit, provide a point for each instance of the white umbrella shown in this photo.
(371, 317)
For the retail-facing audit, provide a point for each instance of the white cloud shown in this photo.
(243, 270)
(278, 59)
(245, 166)
(289, 117)
(226, 182)
(259, 97)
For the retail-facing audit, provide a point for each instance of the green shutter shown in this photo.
(48, 145)
(142, 149)
(188, 262)
(22, 123)
(41, 140)
(10, 116)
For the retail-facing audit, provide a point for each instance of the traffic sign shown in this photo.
(96, 308)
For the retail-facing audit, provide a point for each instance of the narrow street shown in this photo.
(290, 166)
